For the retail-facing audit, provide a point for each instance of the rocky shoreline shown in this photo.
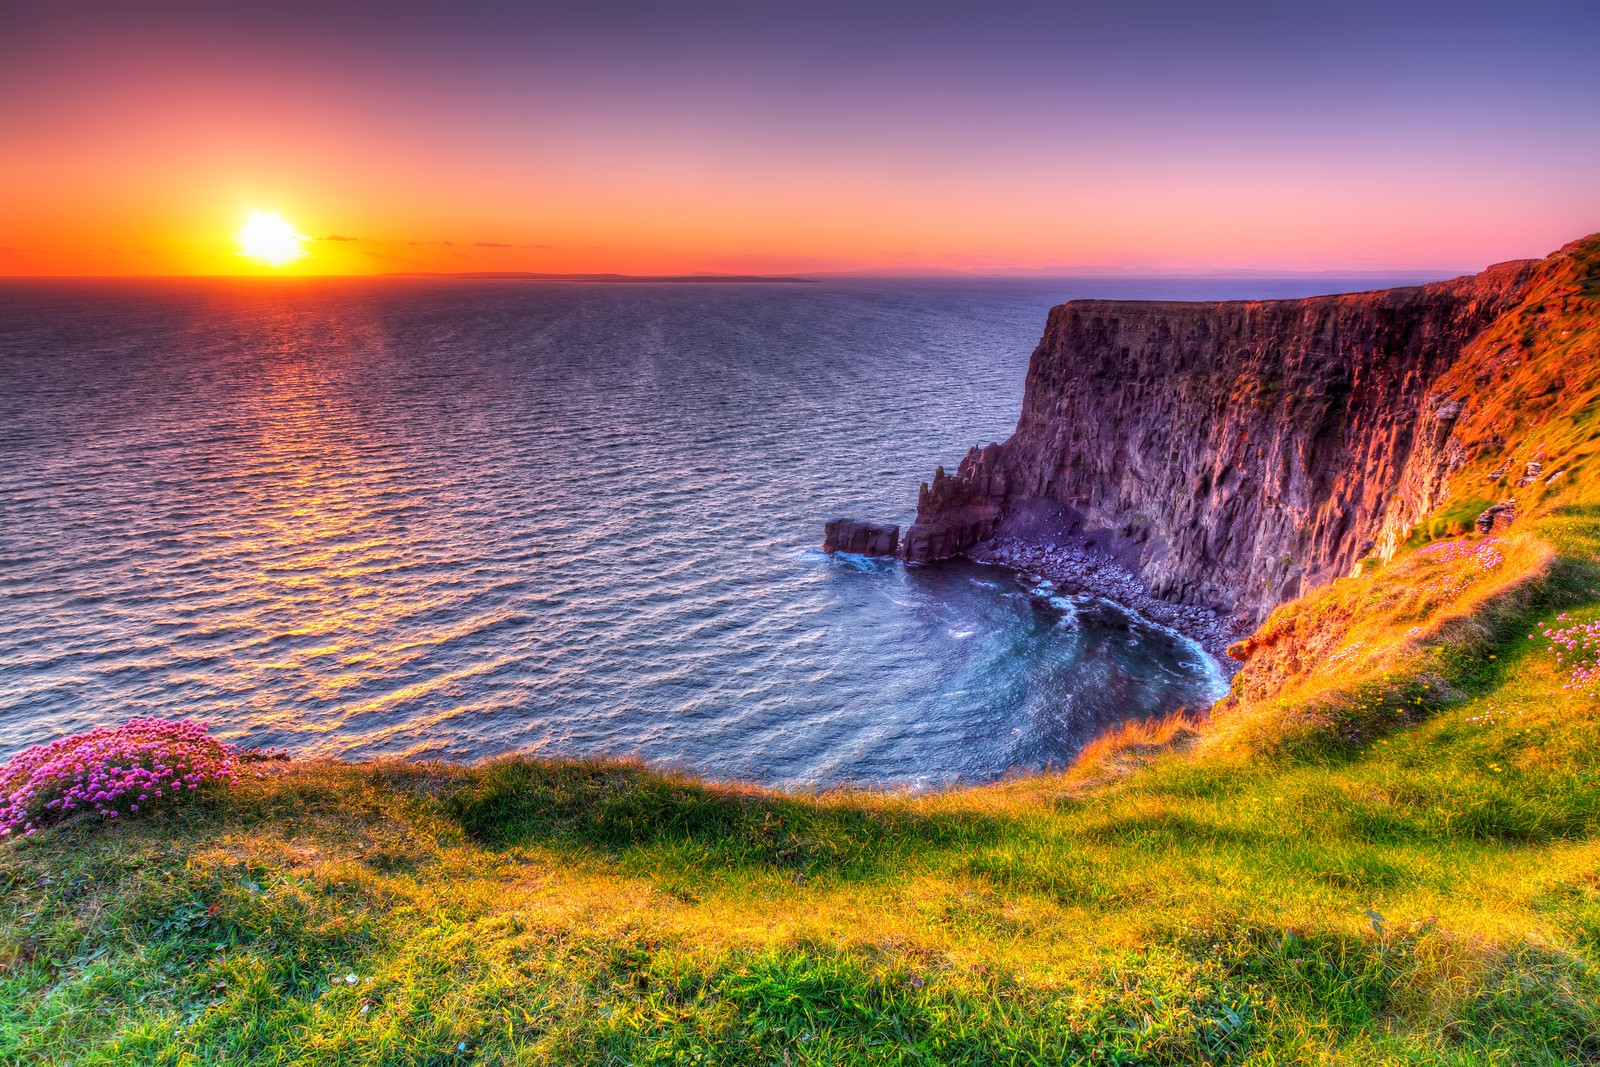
(1238, 453)
(1075, 568)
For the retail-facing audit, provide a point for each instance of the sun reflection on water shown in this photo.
(385, 519)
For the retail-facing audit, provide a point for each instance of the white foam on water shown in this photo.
(367, 518)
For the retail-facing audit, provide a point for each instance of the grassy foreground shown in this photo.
(1398, 866)
(1380, 849)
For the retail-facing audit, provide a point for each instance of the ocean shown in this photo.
(451, 518)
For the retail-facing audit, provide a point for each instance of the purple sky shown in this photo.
(799, 136)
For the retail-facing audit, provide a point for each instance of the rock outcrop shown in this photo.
(861, 538)
(1232, 454)
(1496, 517)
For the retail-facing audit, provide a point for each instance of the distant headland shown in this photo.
(522, 275)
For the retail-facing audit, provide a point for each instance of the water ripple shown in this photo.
(454, 520)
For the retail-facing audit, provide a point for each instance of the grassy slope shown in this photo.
(1382, 849)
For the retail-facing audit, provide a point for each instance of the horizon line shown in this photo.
(925, 273)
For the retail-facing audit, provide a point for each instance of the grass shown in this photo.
(1427, 893)
(1381, 849)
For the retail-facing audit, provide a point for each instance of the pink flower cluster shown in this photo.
(1577, 648)
(1479, 556)
(111, 771)
(1485, 554)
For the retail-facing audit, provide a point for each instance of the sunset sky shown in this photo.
(796, 137)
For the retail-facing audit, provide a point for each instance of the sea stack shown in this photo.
(1234, 454)
(860, 538)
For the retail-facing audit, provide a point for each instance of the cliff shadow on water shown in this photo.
(1380, 849)
(991, 671)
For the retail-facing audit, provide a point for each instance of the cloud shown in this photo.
(490, 244)
(337, 237)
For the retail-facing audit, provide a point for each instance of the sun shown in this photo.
(268, 238)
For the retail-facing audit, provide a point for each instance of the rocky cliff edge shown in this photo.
(1233, 454)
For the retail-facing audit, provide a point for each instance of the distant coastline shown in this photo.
(522, 275)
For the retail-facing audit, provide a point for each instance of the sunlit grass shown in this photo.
(1364, 887)
(1380, 850)
(1430, 896)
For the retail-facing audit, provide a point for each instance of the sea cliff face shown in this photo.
(1233, 454)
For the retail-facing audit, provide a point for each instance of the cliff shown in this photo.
(1233, 454)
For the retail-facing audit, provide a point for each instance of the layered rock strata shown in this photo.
(1230, 454)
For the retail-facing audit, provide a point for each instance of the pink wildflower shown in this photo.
(1579, 653)
(1478, 557)
(97, 770)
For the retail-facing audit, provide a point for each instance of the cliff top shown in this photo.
(1381, 850)
(1507, 272)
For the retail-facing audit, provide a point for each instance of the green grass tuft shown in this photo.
(1381, 849)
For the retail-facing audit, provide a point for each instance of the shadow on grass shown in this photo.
(1481, 655)
(619, 807)
(1572, 584)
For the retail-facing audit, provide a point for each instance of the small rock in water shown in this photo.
(860, 538)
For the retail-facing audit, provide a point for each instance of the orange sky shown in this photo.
(142, 147)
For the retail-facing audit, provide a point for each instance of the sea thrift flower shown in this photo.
(1486, 551)
(1575, 647)
(139, 762)
(1477, 557)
